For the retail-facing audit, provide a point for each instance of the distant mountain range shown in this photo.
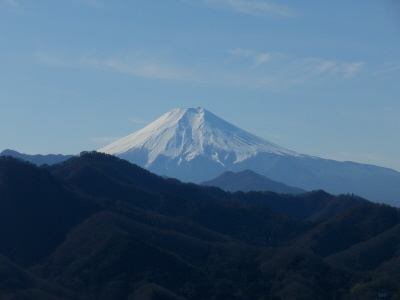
(194, 145)
(99, 227)
(247, 181)
(37, 159)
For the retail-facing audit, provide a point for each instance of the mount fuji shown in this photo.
(192, 144)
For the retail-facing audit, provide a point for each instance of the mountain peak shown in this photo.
(187, 133)
(248, 180)
(192, 144)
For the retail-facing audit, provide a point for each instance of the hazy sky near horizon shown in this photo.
(317, 77)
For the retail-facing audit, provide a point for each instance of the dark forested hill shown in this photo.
(98, 227)
(36, 211)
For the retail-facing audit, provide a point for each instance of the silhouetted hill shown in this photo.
(355, 225)
(36, 211)
(97, 227)
(106, 176)
(37, 159)
(17, 283)
(108, 247)
(194, 145)
(247, 181)
(115, 182)
(111, 178)
(313, 206)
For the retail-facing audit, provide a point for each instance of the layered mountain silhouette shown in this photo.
(99, 227)
(37, 159)
(194, 145)
(248, 180)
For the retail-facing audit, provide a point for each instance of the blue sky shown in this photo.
(317, 77)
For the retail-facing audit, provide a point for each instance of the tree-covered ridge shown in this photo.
(98, 227)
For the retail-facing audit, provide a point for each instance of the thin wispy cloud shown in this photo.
(10, 2)
(94, 3)
(353, 68)
(54, 60)
(258, 58)
(135, 64)
(250, 69)
(251, 7)
(91, 2)
(321, 66)
(389, 67)
(17, 7)
(149, 68)
(277, 71)
(13, 6)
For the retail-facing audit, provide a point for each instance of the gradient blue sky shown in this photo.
(317, 77)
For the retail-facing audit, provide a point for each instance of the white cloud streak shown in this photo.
(54, 60)
(13, 6)
(251, 7)
(258, 58)
(93, 3)
(353, 68)
(150, 69)
(277, 71)
(10, 2)
(135, 64)
(389, 68)
(247, 69)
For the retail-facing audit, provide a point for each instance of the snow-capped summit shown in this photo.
(186, 133)
(192, 144)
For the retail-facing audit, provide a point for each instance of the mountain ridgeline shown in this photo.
(247, 181)
(194, 145)
(98, 227)
(37, 159)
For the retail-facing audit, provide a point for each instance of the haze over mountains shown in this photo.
(192, 144)
(37, 159)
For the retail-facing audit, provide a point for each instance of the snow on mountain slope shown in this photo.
(186, 133)
(192, 144)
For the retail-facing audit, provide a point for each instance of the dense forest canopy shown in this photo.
(98, 227)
